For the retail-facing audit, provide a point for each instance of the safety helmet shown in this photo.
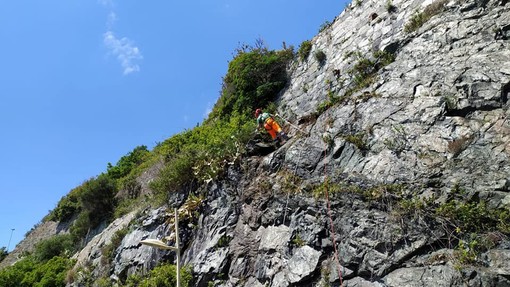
(258, 112)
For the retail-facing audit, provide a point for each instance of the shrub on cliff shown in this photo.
(29, 272)
(254, 78)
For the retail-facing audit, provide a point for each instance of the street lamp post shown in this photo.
(177, 248)
(8, 245)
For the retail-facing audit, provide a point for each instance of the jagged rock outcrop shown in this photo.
(431, 120)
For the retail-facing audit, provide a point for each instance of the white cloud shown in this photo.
(125, 51)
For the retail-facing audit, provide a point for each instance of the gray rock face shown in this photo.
(422, 276)
(302, 264)
(499, 261)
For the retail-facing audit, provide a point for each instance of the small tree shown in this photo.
(3, 253)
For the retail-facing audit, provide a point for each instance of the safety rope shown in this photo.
(332, 227)
(333, 237)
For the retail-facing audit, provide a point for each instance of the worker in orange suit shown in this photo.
(267, 121)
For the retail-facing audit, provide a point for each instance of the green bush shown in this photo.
(3, 253)
(128, 162)
(58, 245)
(390, 7)
(66, 208)
(12, 276)
(92, 203)
(109, 250)
(474, 216)
(161, 276)
(418, 19)
(358, 140)
(365, 69)
(304, 50)
(201, 154)
(31, 273)
(80, 227)
(50, 274)
(325, 26)
(320, 56)
(97, 198)
(254, 78)
(332, 100)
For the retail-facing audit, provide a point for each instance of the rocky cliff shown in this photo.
(397, 172)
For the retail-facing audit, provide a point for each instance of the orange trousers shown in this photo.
(272, 127)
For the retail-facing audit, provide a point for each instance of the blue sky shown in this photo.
(83, 82)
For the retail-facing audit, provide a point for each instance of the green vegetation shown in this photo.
(418, 19)
(290, 182)
(201, 154)
(304, 50)
(3, 253)
(364, 70)
(390, 7)
(320, 56)
(47, 267)
(471, 226)
(254, 78)
(224, 241)
(325, 26)
(127, 163)
(161, 276)
(108, 250)
(332, 100)
(358, 140)
(58, 245)
(298, 241)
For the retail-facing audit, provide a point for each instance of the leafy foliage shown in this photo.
(97, 198)
(80, 227)
(332, 100)
(108, 250)
(365, 68)
(67, 207)
(418, 19)
(95, 204)
(254, 78)
(105, 186)
(57, 245)
(161, 276)
(201, 154)
(304, 50)
(3, 253)
(320, 56)
(29, 272)
(128, 162)
(325, 26)
(474, 216)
